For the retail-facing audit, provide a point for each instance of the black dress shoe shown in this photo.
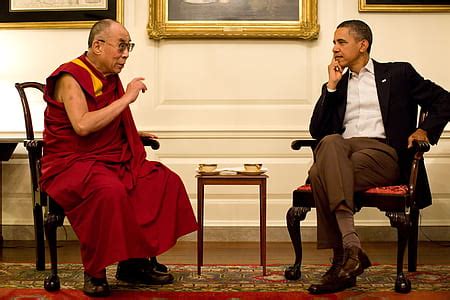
(141, 271)
(333, 286)
(95, 287)
(158, 266)
(355, 262)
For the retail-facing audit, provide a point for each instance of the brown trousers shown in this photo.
(342, 167)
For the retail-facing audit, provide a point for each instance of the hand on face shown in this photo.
(134, 87)
(334, 73)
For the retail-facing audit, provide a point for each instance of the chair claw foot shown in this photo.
(293, 272)
(402, 284)
(51, 283)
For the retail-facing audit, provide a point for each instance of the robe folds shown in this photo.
(119, 204)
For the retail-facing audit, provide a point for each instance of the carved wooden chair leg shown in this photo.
(293, 218)
(413, 240)
(51, 282)
(39, 236)
(401, 221)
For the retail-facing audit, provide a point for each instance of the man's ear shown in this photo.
(97, 47)
(364, 45)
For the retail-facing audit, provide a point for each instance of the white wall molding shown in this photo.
(251, 233)
(223, 134)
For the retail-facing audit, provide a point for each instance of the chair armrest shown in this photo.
(34, 146)
(418, 146)
(298, 144)
(421, 146)
(149, 141)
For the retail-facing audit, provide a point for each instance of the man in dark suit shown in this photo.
(365, 119)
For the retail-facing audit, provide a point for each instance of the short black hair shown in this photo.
(360, 29)
(98, 28)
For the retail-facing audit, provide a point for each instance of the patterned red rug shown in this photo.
(22, 281)
(35, 294)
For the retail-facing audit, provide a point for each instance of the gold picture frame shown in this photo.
(36, 14)
(404, 6)
(167, 19)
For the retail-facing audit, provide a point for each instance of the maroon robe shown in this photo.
(119, 204)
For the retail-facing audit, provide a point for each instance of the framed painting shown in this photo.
(405, 5)
(58, 13)
(288, 19)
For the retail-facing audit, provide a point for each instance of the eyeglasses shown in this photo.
(121, 47)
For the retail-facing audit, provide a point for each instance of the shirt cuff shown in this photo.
(331, 90)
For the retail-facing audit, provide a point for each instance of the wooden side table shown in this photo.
(259, 180)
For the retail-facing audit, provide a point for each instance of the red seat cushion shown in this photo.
(387, 190)
(304, 188)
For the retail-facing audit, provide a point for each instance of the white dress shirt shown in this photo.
(363, 114)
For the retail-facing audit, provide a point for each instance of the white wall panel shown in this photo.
(230, 102)
(238, 206)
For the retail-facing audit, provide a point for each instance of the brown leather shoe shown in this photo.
(95, 287)
(332, 286)
(332, 272)
(141, 271)
(355, 262)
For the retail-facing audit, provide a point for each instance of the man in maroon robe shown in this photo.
(122, 207)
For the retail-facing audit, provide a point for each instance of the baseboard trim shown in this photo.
(251, 234)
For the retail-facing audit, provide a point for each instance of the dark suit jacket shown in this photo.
(400, 91)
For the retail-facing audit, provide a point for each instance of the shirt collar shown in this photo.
(368, 68)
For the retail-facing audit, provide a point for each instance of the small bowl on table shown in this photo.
(252, 167)
(207, 168)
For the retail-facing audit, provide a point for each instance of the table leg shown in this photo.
(1, 200)
(200, 208)
(262, 220)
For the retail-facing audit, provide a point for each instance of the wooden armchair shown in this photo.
(397, 201)
(54, 214)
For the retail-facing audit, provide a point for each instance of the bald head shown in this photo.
(101, 28)
(109, 46)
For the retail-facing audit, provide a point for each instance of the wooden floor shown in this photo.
(238, 253)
